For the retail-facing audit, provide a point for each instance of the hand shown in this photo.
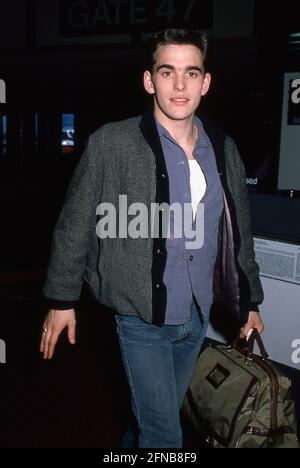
(254, 321)
(55, 322)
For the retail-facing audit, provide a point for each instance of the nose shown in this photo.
(179, 84)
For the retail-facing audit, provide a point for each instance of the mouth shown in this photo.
(180, 101)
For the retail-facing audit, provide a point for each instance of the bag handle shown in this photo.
(248, 346)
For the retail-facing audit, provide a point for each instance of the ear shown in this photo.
(148, 84)
(206, 84)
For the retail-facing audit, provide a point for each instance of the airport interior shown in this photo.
(68, 67)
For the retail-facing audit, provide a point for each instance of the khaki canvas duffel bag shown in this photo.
(239, 400)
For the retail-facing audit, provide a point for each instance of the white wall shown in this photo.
(289, 165)
(281, 314)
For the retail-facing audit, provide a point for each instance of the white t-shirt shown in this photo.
(198, 184)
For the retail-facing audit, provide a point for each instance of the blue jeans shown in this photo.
(159, 363)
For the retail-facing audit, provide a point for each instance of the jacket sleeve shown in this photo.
(246, 256)
(70, 241)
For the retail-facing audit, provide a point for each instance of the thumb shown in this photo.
(71, 333)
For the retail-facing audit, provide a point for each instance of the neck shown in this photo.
(184, 131)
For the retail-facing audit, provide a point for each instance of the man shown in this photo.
(161, 290)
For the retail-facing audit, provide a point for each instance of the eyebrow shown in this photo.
(188, 68)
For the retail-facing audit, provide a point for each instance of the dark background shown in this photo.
(97, 84)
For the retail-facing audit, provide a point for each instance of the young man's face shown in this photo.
(177, 81)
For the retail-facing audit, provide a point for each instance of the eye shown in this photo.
(166, 73)
(192, 74)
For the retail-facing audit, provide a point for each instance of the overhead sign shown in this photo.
(111, 17)
(83, 22)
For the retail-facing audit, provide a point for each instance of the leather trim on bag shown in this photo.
(258, 431)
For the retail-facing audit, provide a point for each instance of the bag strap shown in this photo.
(248, 346)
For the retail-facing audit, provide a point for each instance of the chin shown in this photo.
(180, 115)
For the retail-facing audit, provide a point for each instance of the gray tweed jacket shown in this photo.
(126, 158)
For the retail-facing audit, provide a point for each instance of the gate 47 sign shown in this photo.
(98, 17)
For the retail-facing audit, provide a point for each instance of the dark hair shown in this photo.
(177, 37)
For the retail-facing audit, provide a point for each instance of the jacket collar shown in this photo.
(215, 134)
(217, 139)
(149, 130)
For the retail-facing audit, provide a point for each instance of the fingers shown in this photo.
(247, 329)
(48, 342)
(261, 328)
(259, 325)
(246, 334)
(71, 332)
(46, 336)
(55, 322)
(42, 343)
(51, 343)
(254, 321)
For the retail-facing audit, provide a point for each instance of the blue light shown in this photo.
(67, 141)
